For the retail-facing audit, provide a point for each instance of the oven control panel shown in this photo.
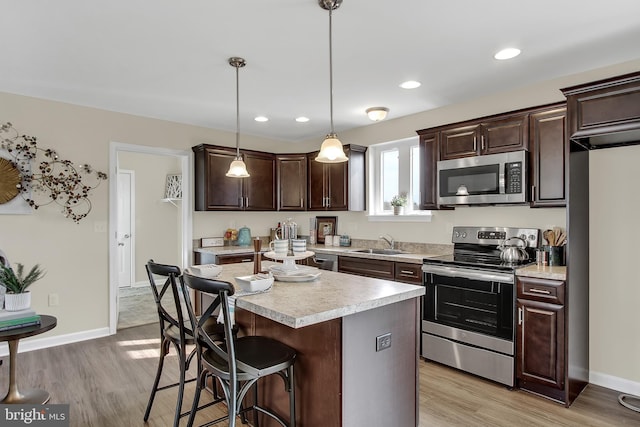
(494, 235)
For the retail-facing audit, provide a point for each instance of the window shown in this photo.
(394, 169)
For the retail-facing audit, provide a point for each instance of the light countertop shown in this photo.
(330, 296)
(543, 272)
(410, 257)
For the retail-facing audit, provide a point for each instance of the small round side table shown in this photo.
(13, 336)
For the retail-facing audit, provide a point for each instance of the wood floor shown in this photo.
(107, 381)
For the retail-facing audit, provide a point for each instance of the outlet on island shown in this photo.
(383, 341)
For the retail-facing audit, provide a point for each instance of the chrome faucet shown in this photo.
(390, 241)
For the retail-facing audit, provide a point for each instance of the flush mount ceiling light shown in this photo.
(302, 119)
(377, 113)
(331, 150)
(261, 119)
(508, 53)
(237, 169)
(411, 84)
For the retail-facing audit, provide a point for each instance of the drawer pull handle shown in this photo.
(408, 272)
(540, 291)
(247, 260)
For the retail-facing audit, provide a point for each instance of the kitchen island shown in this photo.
(338, 324)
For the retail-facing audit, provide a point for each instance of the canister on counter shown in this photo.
(542, 257)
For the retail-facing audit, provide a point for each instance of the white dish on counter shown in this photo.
(255, 283)
(208, 271)
(300, 274)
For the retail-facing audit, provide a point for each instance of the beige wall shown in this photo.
(614, 293)
(157, 223)
(76, 256)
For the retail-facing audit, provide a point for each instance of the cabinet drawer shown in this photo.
(550, 291)
(235, 258)
(366, 267)
(409, 273)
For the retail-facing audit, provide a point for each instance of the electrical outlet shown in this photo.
(383, 341)
(54, 299)
(212, 241)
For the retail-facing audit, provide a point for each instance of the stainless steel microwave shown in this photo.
(481, 180)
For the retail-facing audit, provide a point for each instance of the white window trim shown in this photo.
(374, 190)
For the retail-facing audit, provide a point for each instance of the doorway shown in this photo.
(125, 228)
(182, 215)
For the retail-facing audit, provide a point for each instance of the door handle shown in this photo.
(126, 236)
(120, 244)
(520, 316)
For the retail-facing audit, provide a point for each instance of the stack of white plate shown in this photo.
(301, 273)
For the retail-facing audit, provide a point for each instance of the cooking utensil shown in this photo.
(513, 252)
(550, 237)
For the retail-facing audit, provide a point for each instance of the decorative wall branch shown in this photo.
(44, 178)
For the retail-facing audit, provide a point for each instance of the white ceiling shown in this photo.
(167, 59)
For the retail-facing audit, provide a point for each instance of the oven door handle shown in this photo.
(486, 276)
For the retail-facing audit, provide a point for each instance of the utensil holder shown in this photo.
(556, 255)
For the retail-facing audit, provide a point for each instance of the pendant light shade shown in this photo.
(331, 150)
(237, 169)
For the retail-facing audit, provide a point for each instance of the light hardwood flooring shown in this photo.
(107, 381)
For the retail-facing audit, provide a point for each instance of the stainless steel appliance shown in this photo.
(469, 306)
(491, 179)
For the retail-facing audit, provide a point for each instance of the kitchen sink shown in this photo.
(379, 251)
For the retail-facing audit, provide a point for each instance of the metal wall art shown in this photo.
(40, 177)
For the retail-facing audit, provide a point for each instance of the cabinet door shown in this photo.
(459, 142)
(428, 172)
(291, 182)
(337, 181)
(222, 192)
(316, 196)
(548, 139)
(505, 134)
(259, 189)
(540, 344)
(234, 258)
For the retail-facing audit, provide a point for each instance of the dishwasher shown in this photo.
(324, 261)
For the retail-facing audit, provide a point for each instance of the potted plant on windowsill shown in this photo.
(399, 202)
(16, 284)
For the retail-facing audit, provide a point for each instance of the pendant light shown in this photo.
(237, 169)
(331, 150)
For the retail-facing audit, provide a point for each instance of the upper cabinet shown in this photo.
(215, 191)
(548, 145)
(429, 156)
(605, 113)
(337, 186)
(291, 172)
(498, 134)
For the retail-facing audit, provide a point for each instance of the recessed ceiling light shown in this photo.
(508, 53)
(261, 119)
(302, 119)
(411, 84)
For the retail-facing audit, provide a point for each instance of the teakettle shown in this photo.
(244, 236)
(513, 253)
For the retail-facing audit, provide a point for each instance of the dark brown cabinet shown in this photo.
(540, 337)
(498, 134)
(408, 273)
(429, 156)
(215, 191)
(548, 152)
(367, 267)
(337, 186)
(291, 171)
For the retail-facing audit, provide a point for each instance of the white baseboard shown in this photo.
(46, 342)
(615, 383)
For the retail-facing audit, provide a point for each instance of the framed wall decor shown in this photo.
(173, 188)
(326, 226)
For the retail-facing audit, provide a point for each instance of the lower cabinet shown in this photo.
(540, 337)
(367, 267)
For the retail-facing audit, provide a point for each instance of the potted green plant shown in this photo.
(16, 284)
(399, 202)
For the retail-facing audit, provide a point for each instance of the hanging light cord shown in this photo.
(331, 69)
(237, 112)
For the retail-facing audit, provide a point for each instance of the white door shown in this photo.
(124, 234)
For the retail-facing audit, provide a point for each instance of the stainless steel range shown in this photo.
(469, 305)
